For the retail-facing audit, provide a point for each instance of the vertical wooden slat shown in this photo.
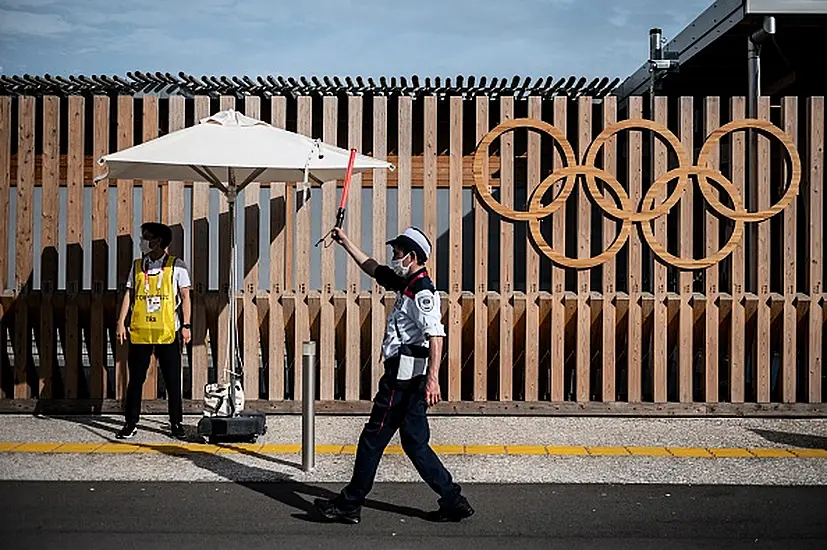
(789, 110)
(481, 271)
(532, 312)
(815, 136)
(252, 217)
(225, 293)
(201, 254)
(150, 132)
(737, 334)
(380, 179)
(659, 348)
(558, 274)
(100, 251)
(278, 205)
(5, 183)
(353, 361)
(686, 316)
(302, 245)
(429, 198)
(506, 255)
(173, 192)
(712, 109)
(327, 334)
(609, 268)
(763, 313)
(172, 211)
(635, 314)
(584, 229)
(124, 226)
(405, 147)
(50, 217)
(455, 248)
(24, 263)
(149, 194)
(74, 254)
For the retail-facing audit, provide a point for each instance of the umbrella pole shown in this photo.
(232, 344)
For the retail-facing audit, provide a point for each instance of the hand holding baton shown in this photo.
(340, 213)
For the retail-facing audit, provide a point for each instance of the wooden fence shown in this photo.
(632, 335)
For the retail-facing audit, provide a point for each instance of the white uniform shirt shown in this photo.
(180, 277)
(416, 316)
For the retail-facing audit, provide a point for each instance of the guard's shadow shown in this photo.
(278, 486)
(805, 441)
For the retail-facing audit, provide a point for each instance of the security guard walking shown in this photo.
(412, 349)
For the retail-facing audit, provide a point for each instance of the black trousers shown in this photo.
(397, 406)
(169, 363)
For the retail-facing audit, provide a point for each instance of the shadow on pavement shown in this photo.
(279, 486)
(805, 441)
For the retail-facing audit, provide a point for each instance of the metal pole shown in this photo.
(308, 406)
(232, 195)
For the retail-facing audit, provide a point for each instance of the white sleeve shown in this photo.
(181, 274)
(428, 313)
(130, 281)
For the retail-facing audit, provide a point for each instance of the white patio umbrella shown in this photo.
(228, 148)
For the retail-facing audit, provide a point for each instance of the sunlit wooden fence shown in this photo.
(633, 334)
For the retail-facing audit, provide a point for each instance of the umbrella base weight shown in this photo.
(245, 427)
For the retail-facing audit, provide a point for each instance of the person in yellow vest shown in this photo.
(157, 290)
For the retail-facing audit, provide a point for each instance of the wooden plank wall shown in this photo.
(521, 341)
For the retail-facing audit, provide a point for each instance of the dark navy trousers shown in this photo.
(398, 405)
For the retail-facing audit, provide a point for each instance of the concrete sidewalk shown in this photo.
(476, 449)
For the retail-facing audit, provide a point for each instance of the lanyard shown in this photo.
(144, 268)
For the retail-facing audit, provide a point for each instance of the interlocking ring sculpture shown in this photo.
(627, 213)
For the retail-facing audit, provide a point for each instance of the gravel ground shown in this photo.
(588, 431)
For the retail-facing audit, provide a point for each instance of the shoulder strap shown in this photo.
(408, 292)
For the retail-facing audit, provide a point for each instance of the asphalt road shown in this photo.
(125, 515)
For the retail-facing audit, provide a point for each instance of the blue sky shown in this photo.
(336, 37)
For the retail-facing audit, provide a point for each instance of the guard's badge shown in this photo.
(425, 302)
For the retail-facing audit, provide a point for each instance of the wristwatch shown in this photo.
(187, 326)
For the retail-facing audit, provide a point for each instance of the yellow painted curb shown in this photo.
(176, 449)
(36, 447)
(809, 453)
(689, 452)
(566, 450)
(120, 448)
(731, 453)
(485, 449)
(607, 451)
(238, 448)
(449, 449)
(78, 448)
(280, 449)
(648, 451)
(771, 453)
(526, 450)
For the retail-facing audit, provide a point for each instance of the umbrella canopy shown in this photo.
(253, 149)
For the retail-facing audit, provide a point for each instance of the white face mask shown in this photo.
(145, 248)
(400, 268)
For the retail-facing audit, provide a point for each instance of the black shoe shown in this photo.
(177, 430)
(459, 511)
(331, 511)
(127, 432)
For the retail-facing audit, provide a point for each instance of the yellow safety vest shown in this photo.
(153, 313)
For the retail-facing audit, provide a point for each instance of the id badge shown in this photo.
(153, 304)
